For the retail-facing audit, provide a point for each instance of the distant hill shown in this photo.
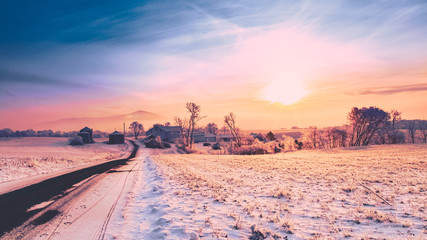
(102, 123)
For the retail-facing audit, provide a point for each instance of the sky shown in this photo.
(275, 64)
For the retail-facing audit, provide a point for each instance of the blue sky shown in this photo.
(59, 51)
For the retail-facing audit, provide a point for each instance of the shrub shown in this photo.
(187, 150)
(75, 140)
(396, 137)
(216, 146)
(207, 144)
(154, 144)
(251, 150)
(298, 144)
(149, 137)
(166, 144)
(256, 148)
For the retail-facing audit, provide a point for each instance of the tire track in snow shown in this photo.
(59, 190)
(165, 209)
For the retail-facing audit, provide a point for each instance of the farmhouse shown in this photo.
(166, 133)
(203, 137)
(199, 137)
(86, 135)
(210, 137)
(116, 138)
(225, 138)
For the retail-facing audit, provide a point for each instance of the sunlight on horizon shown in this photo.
(284, 92)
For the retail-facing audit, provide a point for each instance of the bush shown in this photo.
(298, 144)
(257, 148)
(216, 146)
(207, 144)
(75, 140)
(149, 137)
(166, 144)
(396, 137)
(187, 150)
(154, 144)
(251, 150)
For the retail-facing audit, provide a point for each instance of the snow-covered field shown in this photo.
(25, 157)
(373, 192)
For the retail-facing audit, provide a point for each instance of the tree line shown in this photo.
(189, 125)
(366, 126)
(7, 132)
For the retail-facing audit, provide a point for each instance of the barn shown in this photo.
(166, 133)
(86, 135)
(116, 138)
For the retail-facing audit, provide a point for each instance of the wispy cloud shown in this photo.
(209, 51)
(8, 78)
(394, 89)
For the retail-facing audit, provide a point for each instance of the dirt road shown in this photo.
(76, 205)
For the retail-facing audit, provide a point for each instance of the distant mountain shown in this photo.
(102, 123)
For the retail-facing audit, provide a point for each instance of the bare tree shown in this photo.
(330, 138)
(137, 128)
(212, 128)
(364, 123)
(339, 137)
(382, 136)
(6, 132)
(270, 136)
(313, 136)
(224, 130)
(395, 117)
(183, 123)
(423, 129)
(396, 137)
(194, 110)
(410, 125)
(322, 140)
(230, 121)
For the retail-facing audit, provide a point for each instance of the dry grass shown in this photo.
(314, 194)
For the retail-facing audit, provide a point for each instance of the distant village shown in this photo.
(167, 133)
(366, 126)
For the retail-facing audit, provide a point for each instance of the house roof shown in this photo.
(85, 129)
(169, 128)
(199, 134)
(226, 136)
(116, 133)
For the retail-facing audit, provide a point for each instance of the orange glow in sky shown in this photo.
(274, 65)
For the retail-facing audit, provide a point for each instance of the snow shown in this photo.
(85, 213)
(160, 209)
(309, 194)
(35, 156)
(298, 195)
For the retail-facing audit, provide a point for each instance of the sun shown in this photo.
(284, 92)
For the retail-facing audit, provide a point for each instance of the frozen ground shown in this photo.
(26, 157)
(321, 194)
